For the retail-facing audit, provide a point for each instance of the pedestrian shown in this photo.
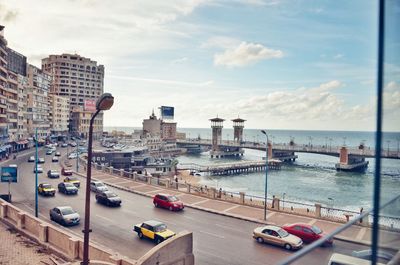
(220, 193)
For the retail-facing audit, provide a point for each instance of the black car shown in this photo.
(67, 188)
(108, 198)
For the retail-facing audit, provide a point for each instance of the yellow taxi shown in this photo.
(153, 230)
(46, 189)
(73, 180)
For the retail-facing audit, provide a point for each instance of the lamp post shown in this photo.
(36, 173)
(283, 200)
(77, 156)
(266, 175)
(105, 102)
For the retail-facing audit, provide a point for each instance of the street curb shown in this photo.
(240, 217)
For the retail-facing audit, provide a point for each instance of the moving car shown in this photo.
(72, 156)
(46, 189)
(31, 159)
(73, 180)
(275, 235)
(108, 198)
(54, 159)
(153, 230)
(64, 215)
(167, 201)
(67, 188)
(66, 172)
(307, 233)
(49, 152)
(97, 186)
(57, 154)
(41, 160)
(53, 174)
(64, 145)
(39, 169)
(73, 144)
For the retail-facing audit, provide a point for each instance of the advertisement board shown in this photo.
(89, 105)
(9, 174)
(167, 112)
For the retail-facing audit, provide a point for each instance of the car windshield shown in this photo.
(111, 195)
(66, 211)
(99, 184)
(72, 179)
(160, 228)
(283, 233)
(316, 229)
(54, 172)
(172, 199)
(46, 186)
(69, 185)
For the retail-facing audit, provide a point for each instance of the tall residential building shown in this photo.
(80, 121)
(78, 78)
(38, 105)
(3, 92)
(59, 114)
(12, 108)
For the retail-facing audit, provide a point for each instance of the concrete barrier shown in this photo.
(177, 250)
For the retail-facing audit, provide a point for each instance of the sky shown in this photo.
(278, 64)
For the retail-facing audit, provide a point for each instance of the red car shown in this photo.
(168, 201)
(66, 172)
(307, 233)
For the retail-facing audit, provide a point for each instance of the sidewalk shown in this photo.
(16, 249)
(355, 233)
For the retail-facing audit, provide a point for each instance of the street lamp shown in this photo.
(266, 175)
(36, 173)
(105, 102)
(283, 200)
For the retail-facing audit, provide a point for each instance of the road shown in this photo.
(217, 239)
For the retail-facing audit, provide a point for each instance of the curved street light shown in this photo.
(105, 102)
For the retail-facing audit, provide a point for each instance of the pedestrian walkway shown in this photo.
(355, 233)
(16, 249)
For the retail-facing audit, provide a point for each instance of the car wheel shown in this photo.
(158, 240)
(156, 204)
(140, 234)
(170, 208)
(51, 218)
(260, 240)
(288, 246)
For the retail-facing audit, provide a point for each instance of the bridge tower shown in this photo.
(238, 125)
(216, 126)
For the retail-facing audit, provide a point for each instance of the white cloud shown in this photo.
(338, 56)
(179, 60)
(245, 54)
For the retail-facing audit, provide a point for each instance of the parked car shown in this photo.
(57, 154)
(53, 174)
(73, 144)
(66, 172)
(73, 180)
(31, 159)
(72, 156)
(67, 188)
(108, 198)
(64, 145)
(64, 215)
(167, 201)
(153, 230)
(307, 233)
(41, 160)
(39, 169)
(97, 186)
(55, 159)
(46, 189)
(275, 235)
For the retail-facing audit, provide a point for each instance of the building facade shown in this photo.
(80, 121)
(152, 126)
(59, 114)
(37, 103)
(78, 79)
(3, 93)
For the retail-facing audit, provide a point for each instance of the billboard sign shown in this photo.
(9, 174)
(89, 105)
(167, 112)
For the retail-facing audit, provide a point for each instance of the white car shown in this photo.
(39, 169)
(72, 156)
(97, 186)
(54, 159)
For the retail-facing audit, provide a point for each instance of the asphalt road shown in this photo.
(217, 239)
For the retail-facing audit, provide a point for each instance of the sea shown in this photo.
(312, 178)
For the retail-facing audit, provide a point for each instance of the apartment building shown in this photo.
(3, 93)
(37, 103)
(80, 121)
(59, 114)
(79, 79)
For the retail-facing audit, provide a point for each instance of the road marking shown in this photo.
(312, 222)
(230, 208)
(361, 233)
(105, 218)
(211, 234)
(188, 217)
(207, 253)
(200, 201)
(228, 227)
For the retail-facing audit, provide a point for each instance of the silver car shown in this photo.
(97, 186)
(64, 215)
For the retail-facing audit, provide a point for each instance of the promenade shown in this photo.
(356, 233)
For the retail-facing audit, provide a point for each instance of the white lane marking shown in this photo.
(228, 227)
(211, 234)
(200, 201)
(312, 222)
(207, 253)
(105, 218)
(230, 208)
(361, 233)
(188, 217)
